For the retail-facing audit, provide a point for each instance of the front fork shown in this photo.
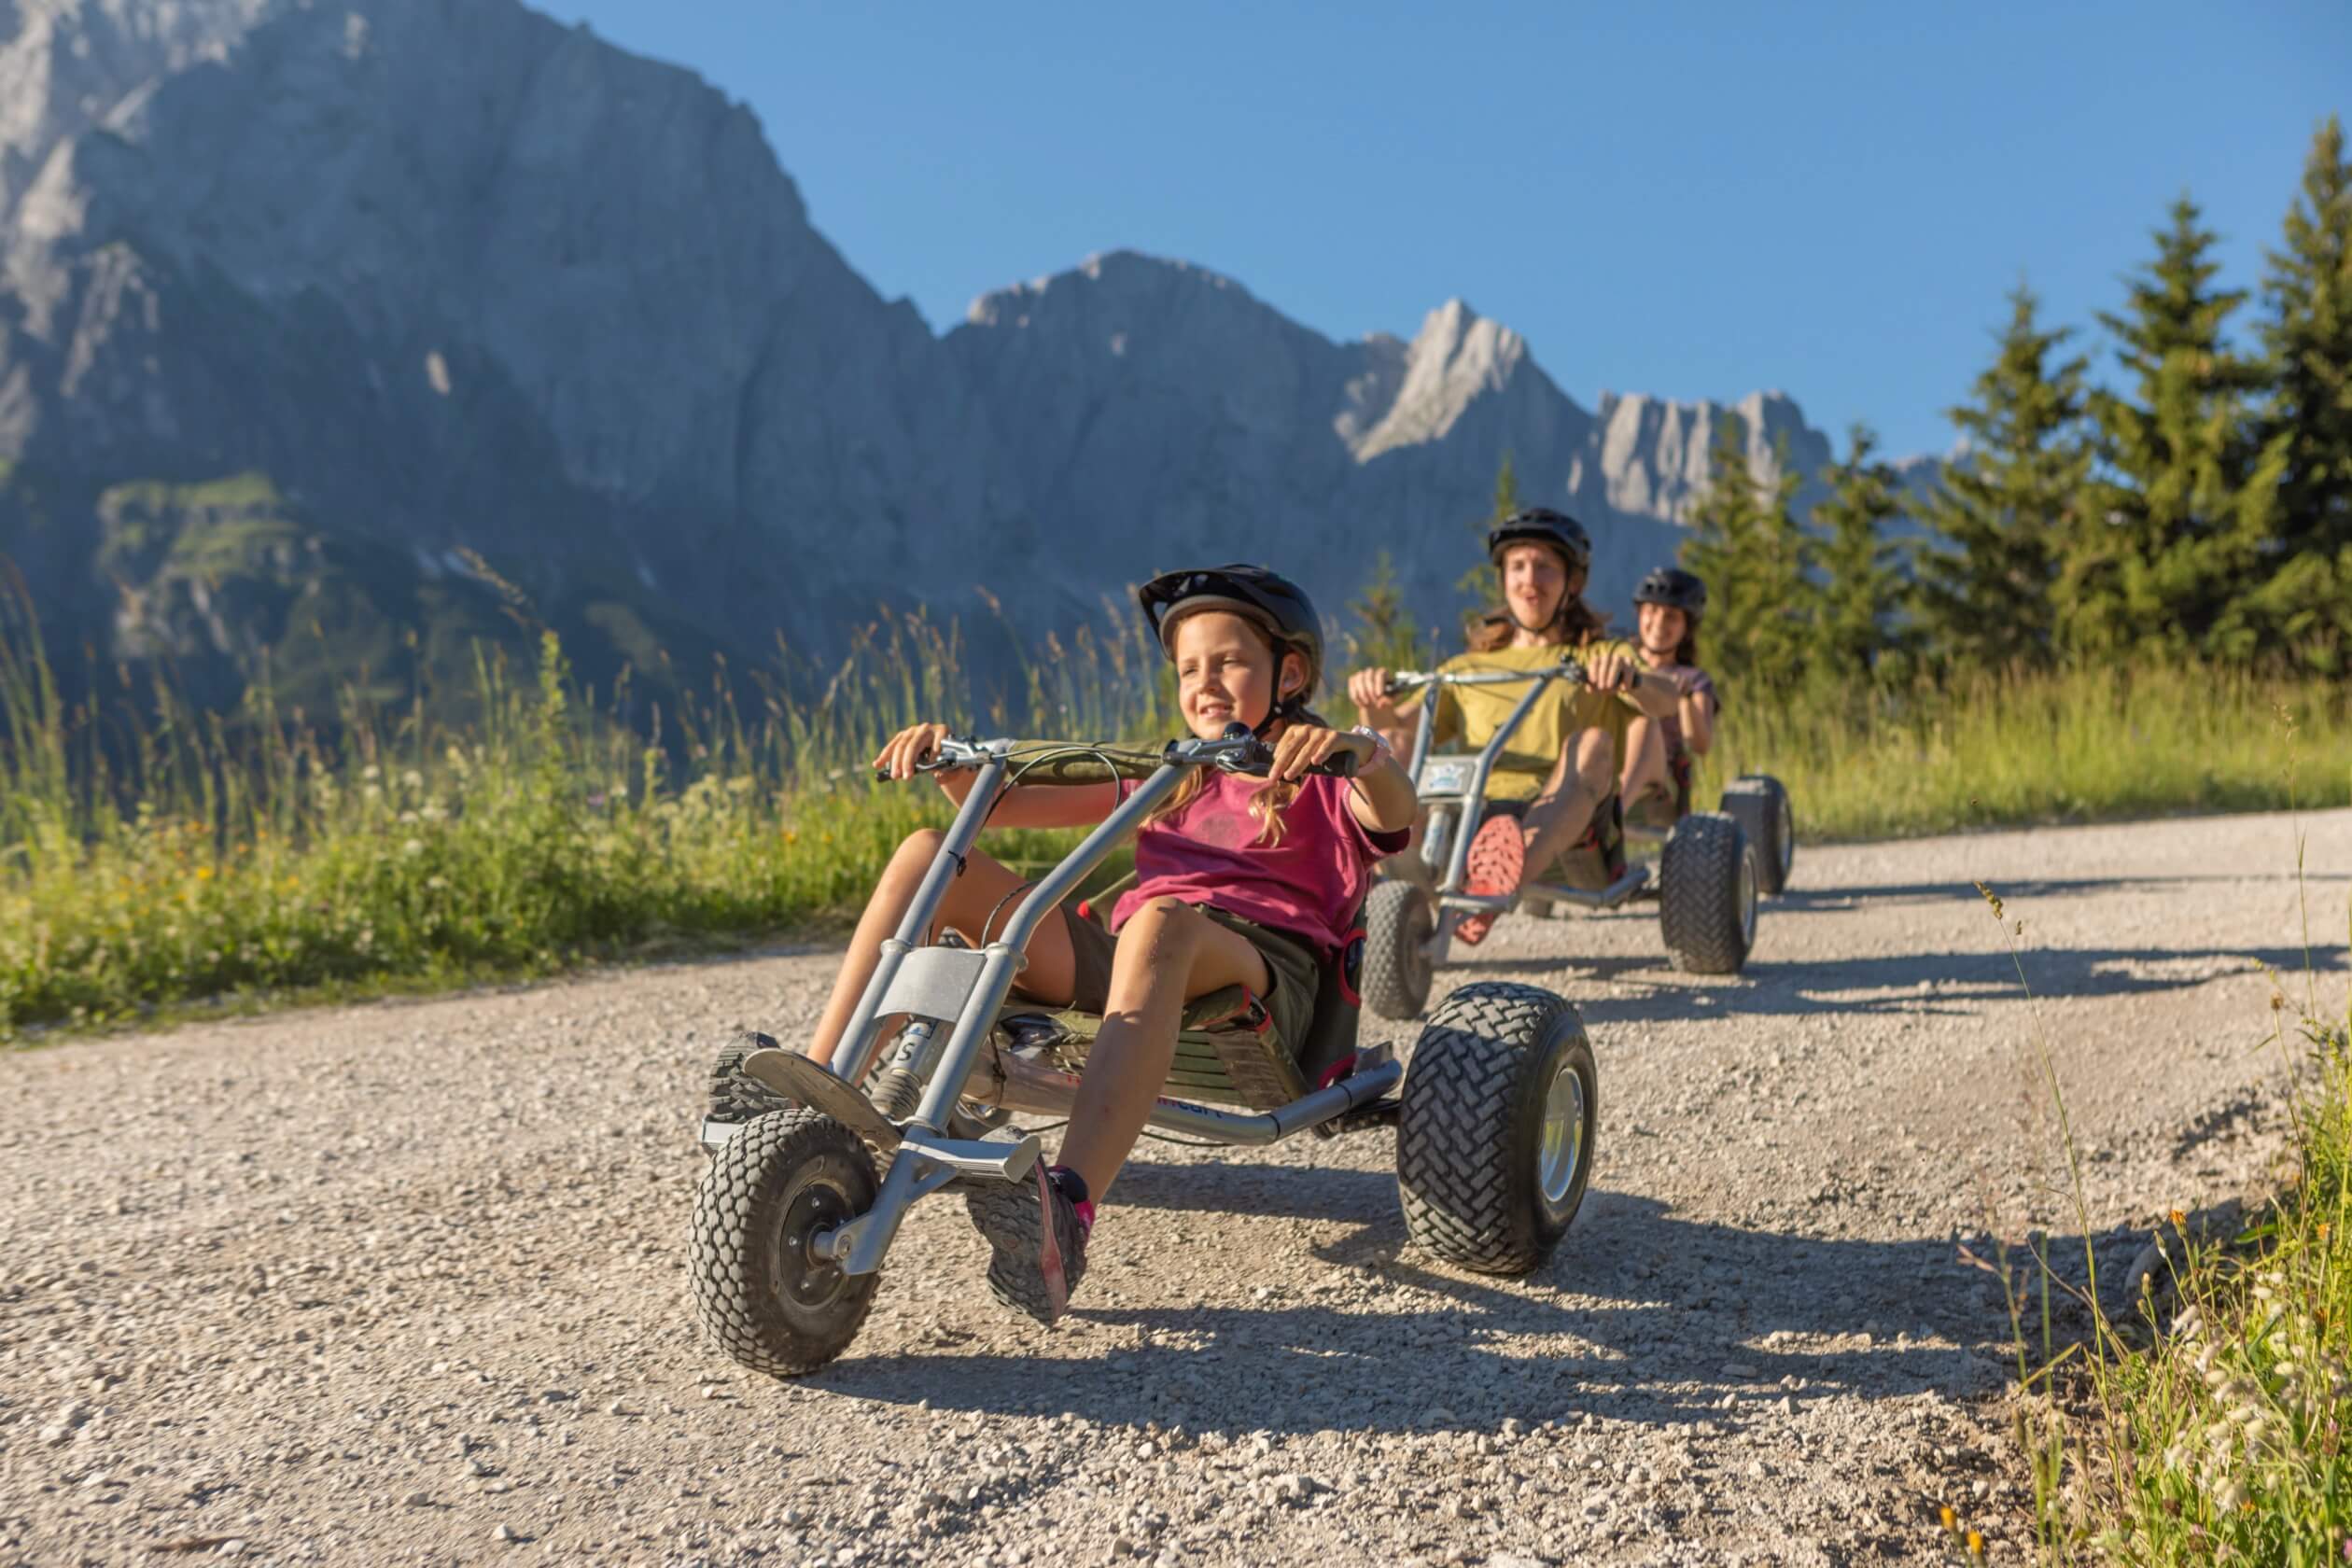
(966, 990)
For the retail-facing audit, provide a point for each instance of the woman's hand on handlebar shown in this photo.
(916, 743)
(1611, 671)
(1368, 688)
(1302, 749)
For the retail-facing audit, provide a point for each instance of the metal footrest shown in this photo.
(1003, 1162)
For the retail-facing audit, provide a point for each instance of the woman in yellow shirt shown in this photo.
(1548, 789)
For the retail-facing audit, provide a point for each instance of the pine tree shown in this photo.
(2006, 510)
(1748, 547)
(1384, 636)
(1861, 582)
(2306, 604)
(2187, 500)
(1483, 583)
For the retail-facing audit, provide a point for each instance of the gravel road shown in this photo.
(403, 1283)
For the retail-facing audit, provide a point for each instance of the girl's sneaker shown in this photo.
(1497, 861)
(1037, 1232)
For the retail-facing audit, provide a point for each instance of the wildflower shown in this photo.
(203, 873)
(1951, 1520)
(411, 779)
(2179, 1220)
(1976, 1541)
(413, 846)
(2230, 1497)
(407, 816)
(372, 773)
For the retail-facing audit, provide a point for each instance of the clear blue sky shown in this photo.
(1689, 200)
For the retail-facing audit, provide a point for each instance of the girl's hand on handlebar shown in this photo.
(914, 744)
(1301, 747)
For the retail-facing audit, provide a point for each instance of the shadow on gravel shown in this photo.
(1949, 984)
(1640, 1316)
(1802, 900)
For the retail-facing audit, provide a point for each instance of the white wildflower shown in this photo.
(413, 846)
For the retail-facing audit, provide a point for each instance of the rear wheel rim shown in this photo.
(1560, 1156)
(1419, 929)
(1748, 900)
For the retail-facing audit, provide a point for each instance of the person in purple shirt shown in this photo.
(1241, 881)
(1661, 754)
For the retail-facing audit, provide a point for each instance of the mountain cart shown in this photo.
(1706, 882)
(812, 1172)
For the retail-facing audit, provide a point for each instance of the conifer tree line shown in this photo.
(2199, 508)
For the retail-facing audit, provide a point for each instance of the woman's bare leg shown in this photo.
(970, 900)
(1168, 954)
(1580, 781)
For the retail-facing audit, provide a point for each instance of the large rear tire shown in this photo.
(770, 1302)
(1397, 926)
(1495, 1138)
(1706, 904)
(1759, 804)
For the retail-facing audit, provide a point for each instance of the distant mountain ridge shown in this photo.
(457, 280)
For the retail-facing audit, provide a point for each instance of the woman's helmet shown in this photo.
(1674, 588)
(1272, 602)
(1542, 525)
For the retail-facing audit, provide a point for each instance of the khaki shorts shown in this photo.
(1290, 965)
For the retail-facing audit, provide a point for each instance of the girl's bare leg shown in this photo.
(1645, 759)
(970, 899)
(1168, 954)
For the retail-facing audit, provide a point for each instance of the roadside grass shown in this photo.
(206, 860)
(2204, 1417)
(2017, 748)
(257, 856)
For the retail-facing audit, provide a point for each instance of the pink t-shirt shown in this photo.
(1307, 885)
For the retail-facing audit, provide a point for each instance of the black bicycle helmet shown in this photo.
(1542, 525)
(1269, 599)
(1674, 588)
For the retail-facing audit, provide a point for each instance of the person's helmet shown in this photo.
(1542, 525)
(1271, 601)
(1674, 588)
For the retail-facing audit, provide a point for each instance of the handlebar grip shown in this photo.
(1339, 764)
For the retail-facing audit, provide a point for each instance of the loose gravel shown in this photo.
(404, 1283)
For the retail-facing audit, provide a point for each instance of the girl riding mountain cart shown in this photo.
(1240, 882)
(1662, 754)
(1553, 789)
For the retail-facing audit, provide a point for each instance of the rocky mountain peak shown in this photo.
(456, 278)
